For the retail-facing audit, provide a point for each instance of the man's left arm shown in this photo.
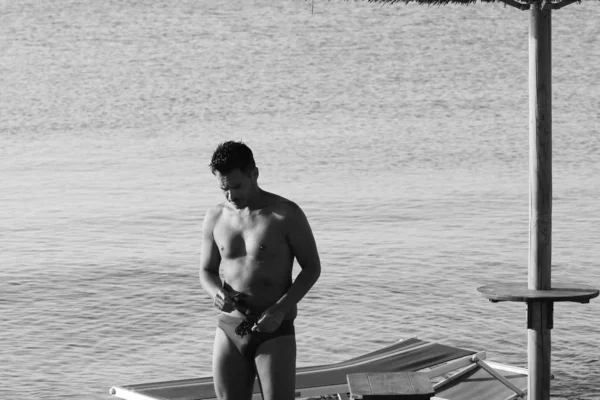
(303, 246)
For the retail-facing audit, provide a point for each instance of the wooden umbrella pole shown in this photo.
(539, 295)
(540, 200)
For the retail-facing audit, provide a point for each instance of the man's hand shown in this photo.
(269, 320)
(223, 301)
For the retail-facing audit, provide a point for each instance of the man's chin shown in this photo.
(238, 205)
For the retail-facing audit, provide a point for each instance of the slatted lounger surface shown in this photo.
(478, 384)
(407, 355)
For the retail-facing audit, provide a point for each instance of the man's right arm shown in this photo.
(210, 258)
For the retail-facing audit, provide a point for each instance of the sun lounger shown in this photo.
(457, 374)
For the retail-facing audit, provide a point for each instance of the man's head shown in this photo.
(233, 165)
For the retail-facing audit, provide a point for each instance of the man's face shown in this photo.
(236, 186)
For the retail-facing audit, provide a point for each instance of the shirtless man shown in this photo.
(254, 236)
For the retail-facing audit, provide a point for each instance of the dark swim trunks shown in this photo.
(238, 330)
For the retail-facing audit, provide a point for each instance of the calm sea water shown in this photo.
(401, 131)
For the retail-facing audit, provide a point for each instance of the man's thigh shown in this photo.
(276, 367)
(233, 373)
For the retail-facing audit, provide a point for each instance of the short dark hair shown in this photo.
(231, 155)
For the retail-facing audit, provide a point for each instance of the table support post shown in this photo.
(538, 345)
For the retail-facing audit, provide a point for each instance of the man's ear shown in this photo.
(255, 174)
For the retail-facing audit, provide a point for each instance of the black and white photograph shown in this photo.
(300, 199)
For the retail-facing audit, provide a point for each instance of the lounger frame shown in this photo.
(443, 374)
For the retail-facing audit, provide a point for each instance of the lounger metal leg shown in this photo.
(496, 375)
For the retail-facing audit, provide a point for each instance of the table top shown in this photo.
(520, 292)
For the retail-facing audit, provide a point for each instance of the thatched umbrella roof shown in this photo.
(523, 5)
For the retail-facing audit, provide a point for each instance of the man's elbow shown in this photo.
(316, 272)
(204, 273)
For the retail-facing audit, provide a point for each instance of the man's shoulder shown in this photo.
(213, 213)
(285, 209)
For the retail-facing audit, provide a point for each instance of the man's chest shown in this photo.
(256, 237)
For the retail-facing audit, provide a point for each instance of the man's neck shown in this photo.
(256, 202)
